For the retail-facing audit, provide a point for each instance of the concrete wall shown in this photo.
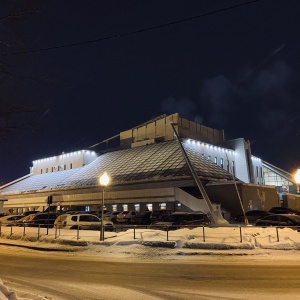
(161, 130)
(91, 198)
(252, 197)
(291, 201)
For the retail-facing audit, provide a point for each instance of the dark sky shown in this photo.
(217, 62)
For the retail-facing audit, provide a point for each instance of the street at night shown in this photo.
(61, 275)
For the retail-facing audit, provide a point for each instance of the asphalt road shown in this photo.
(71, 276)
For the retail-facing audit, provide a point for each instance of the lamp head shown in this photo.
(297, 176)
(104, 179)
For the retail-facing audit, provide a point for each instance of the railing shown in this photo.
(122, 228)
(24, 226)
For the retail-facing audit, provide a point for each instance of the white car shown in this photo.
(82, 222)
(10, 220)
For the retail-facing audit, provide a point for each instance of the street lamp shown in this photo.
(104, 181)
(297, 179)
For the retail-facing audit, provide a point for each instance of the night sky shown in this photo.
(94, 68)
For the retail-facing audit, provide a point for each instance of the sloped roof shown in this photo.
(155, 162)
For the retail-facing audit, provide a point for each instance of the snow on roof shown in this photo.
(152, 162)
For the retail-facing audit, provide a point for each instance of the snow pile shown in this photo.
(6, 294)
(227, 237)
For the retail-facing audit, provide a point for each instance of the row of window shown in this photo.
(113, 207)
(57, 168)
(126, 207)
(220, 162)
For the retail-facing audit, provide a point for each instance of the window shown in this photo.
(149, 206)
(233, 168)
(114, 208)
(222, 163)
(163, 206)
(41, 171)
(136, 207)
(215, 160)
(208, 157)
(125, 207)
(46, 170)
(74, 218)
(42, 217)
(87, 208)
(88, 218)
(70, 166)
(84, 219)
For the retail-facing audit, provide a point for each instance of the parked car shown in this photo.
(179, 220)
(10, 220)
(24, 220)
(30, 212)
(82, 222)
(126, 216)
(144, 218)
(157, 215)
(41, 219)
(96, 212)
(283, 210)
(111, 216)
(284, 220)
(252, 215)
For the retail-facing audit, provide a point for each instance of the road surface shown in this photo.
(60, 275)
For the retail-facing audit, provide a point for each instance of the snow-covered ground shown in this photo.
(176, 243)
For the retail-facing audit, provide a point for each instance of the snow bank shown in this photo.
(6, 294)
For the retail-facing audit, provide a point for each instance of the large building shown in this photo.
(149, 170)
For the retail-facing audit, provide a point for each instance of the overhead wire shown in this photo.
(132, 32)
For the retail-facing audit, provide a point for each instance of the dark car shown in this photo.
(284, 210)
(284, 220)
(252, 215)
(29, 212)
(179, 220)
(158, 215)
(42, 220)
(142, 219)
(111, 216)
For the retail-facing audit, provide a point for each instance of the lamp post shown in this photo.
(297, 179)
(104, 181)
